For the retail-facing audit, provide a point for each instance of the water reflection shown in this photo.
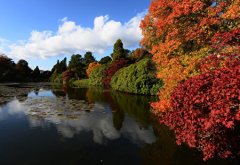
(77, 111)
(88, 125)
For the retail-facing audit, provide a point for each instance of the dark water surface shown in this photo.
(46, 126)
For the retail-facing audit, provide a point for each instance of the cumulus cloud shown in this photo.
(71, 38)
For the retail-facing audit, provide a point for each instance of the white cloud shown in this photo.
(71, 38)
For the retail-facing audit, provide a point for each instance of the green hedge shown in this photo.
(138, 78)
(97, 75)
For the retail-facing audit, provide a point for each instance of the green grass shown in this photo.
(83, 82)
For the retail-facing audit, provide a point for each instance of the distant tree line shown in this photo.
(20, 71)
(123, 70)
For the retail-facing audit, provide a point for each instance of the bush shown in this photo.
(205, 112)
(91, 66)
(97, 75)
(112, 69)
(138, 78)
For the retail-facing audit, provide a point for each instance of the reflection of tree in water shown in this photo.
(165, 151)
(79, 94)
(9, 92)
(118, 118)
(22, 98)
(104, 97)
(95, 94)
(117, 112)
(36, 91)
(58, 92)
(135, 105)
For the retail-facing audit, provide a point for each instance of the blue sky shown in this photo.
(42, 31)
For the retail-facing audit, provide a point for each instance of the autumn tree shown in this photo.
(66, 76)
(7, 69)
(92, 66)
(179, 34)
(23, 69)
(205, 111)
(6, 63)
(112, 69)
(195, 45)
(139, 54)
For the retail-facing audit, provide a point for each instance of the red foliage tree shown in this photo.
(112, 69)
(227, 42)
(180, 33)
(206, 110)
(67, 75)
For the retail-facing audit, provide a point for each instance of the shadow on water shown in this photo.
(41, 125)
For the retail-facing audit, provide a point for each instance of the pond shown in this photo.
(40, 124)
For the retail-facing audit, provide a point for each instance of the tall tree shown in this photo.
(7, 69)
(76, 65)
(55, 66)
(118, 50)
(6, 63)
(63, 65)
(105, 60)
(60, 67)
(88, 58)
(23, 68)
(36, 73)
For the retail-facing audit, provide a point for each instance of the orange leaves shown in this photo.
(92, 66)
(233, 11)
(179, 33)
(184, 21)
(172, 71)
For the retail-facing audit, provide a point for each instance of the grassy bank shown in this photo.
(78, 83)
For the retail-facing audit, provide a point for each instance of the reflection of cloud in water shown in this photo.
(15, 107)
(71, 118)
(135, 133)
(12, 108)
(99, 122)
(102, 127)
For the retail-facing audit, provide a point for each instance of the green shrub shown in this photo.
(97, 75)
(138, 78)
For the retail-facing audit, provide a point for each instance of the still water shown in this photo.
(43, 125)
